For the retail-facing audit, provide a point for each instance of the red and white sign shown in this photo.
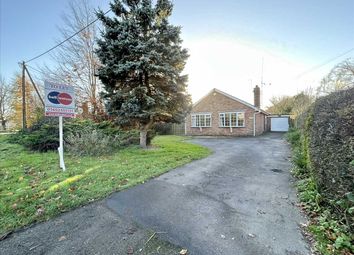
(59, 100)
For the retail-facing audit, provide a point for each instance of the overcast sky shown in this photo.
(227, 40)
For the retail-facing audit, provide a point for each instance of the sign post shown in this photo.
(61, 147)
(59, 102)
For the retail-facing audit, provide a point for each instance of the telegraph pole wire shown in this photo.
(67, 39)
(323, 64)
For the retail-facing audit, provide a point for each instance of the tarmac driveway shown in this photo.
(240, 200)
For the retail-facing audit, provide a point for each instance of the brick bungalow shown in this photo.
(220, 114)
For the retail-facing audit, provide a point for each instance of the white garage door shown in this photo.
(279, 124)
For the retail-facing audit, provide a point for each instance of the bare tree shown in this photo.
(294, 105)
(340, 77)
(76, 62)
(281, 105)
(5, 102)
(302, 101)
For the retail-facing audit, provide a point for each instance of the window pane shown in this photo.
(222, 119)
(197, 121)
(202, 120)
(240, 119)
(193, 121)
(227, 120)
(233, 119)
(208, 120)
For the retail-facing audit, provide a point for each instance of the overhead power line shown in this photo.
(67, 39)
(35, 69)
(324, 63)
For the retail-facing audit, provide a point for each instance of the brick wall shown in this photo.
(215, 103)
(260, 123)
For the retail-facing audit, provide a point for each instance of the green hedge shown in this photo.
(323, 153)
(330, 133)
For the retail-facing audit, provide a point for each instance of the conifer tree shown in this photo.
(142, 62)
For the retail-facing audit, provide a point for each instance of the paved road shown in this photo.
(240, 200)
(90, 230)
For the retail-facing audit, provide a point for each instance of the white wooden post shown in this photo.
(61, 148)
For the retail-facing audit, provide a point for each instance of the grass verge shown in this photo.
(33, 188)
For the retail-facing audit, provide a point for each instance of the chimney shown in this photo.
(257, 96)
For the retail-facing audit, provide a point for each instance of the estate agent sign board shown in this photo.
(59, 102)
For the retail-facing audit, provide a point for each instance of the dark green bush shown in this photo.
(163, 128)
(44, 134)
(323, 154)
(331, 143)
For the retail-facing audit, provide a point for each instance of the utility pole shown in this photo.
(34, 85)
(24, 124)
(263, 84)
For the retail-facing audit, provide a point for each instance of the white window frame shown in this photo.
(195, 119)
(222, 119)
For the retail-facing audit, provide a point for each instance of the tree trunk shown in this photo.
(143, 139)
(144, 133)
(3, 123)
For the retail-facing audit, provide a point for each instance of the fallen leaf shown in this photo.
(183, 252)
(40, 211)
(303, 225)
(62, 238)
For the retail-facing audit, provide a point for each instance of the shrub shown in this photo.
(331, 143)
(163, 128)
(89, 142)
(299, 158)
(43, 135)
(293, 136)
(323, 153)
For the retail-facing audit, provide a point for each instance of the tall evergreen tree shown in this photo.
(142, 62)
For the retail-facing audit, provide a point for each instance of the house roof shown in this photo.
(233, 98)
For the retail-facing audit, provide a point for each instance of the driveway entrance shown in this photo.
(239, 200)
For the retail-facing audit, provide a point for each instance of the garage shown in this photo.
(279, 123)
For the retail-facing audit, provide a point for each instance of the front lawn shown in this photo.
(33, 188)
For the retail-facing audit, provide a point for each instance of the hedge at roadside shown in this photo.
(330, 131)
(323, 152)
